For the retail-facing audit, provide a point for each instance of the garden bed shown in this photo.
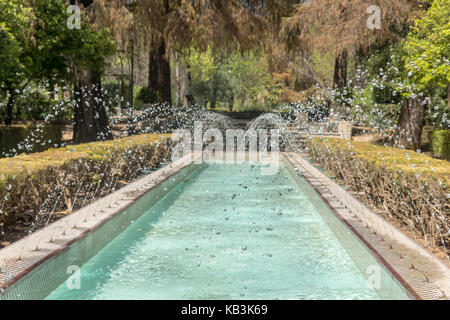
(38, 188)
(407, 188)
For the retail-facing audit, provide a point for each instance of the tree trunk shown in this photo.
(230, 106)
(213, 102)
(9, 108)
(101, 118)
(182, 82)
(177, 83)
(410, 123)
(359, 76)
(340, 70)
(448, 96)
(337, 111)
(90, 118)
(52, 91)
(214, 94)
(159, 72)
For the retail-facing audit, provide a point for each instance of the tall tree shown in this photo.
(159, 71)
(340, 70)
(177, 24)
(167, 27)
(15, 25)
(42, 47)
(90, 117)
(88, 52)
(152, 18)
(428, 49)
(427, 67)
(345, 27)
(410, 123)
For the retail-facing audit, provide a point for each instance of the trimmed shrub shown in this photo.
(404, 186)
(38, 188)
(440, 144)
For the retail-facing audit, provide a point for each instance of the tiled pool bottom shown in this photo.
(227, 232)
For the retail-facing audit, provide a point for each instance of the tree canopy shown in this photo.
(15, 23)
(427, 59)
(232, 54)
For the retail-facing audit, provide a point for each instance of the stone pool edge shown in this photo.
(420, 273)
(13, 269)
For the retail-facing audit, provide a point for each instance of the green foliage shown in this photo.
(398, 182)
(367, 111)
(88, 48)
(147, 95)
(55, 46)
(36, 45)
(14, 25)
(201, 65)
(209, 77)
(240, 81)
(386, 71)
(33, 105)
(323, 64)
(439, 112)
(388, 84)
(46, 52)
(440, 143)
(379, 103)
(428, 48)
(111, 95)
(252, 83)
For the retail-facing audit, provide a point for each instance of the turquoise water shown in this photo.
(225, 232)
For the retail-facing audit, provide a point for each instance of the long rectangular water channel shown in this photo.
(228, 232)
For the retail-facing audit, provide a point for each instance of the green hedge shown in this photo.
(440, 144)
(41, 187)
(406, 187)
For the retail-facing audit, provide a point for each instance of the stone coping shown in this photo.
(24, 255)
(423, 275)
